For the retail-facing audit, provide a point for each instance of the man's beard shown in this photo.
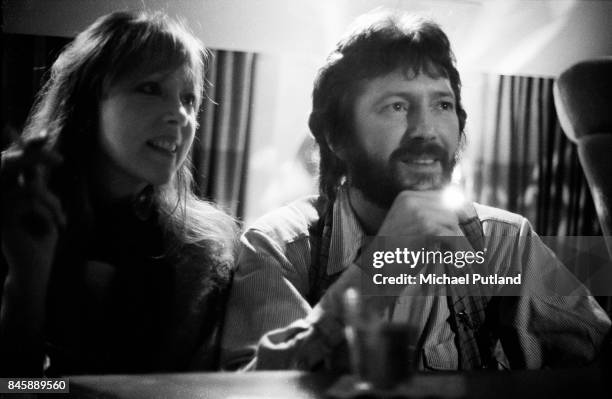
(380, 182)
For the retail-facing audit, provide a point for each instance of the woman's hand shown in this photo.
(32, 215)
(31, 220)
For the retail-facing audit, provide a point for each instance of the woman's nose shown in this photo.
(176, 112)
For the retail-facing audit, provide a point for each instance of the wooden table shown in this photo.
(296, 385)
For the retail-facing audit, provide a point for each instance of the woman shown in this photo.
(112, 264)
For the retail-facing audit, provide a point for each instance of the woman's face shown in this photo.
(147, 126)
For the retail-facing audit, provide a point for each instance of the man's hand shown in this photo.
(416, 220)
(420, 213)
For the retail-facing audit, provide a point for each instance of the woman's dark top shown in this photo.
(120, 301)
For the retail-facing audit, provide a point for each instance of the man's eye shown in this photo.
(447, 105)
(398, 106)
(149, 88)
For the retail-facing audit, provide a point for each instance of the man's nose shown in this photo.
(421, 124)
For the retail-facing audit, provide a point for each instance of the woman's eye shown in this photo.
(189, 99)
(149, 88)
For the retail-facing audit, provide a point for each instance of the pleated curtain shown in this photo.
(524, 163)
(221, 147)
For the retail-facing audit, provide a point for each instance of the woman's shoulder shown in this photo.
(205, 241)
(201, 269)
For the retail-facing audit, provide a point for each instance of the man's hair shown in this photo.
(380, 43)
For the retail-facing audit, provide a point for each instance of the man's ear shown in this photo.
(337, 149)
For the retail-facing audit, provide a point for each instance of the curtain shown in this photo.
(25, 62)
(219, 157)
(220, 153)
(524, 163)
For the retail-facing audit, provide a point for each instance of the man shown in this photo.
(388, 118)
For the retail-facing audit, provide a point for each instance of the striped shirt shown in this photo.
(270, 324)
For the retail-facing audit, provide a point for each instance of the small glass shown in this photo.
(381, 355)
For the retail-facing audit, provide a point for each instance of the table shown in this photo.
(261, 384)
(583, 383)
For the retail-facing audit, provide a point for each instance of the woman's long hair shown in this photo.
(66, 113)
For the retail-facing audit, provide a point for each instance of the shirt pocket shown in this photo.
(442, 356)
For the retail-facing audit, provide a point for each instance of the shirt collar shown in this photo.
(347, 235)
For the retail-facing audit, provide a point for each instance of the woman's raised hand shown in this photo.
(32, 215)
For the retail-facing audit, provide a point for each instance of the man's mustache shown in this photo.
(419, 148)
